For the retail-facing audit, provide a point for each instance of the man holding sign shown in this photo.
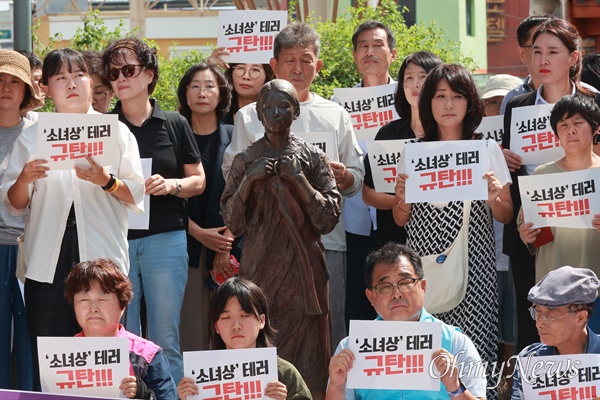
(562, 305)
(396, 289)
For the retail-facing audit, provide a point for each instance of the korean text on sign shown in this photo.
(492, 128)
(566, 377)
(393, 355)
(325, 141)
(65, 139)
(370, 108)
(531, 135)
(384, 156)
(565, 199)
(231, 374)
(83, 366)
(249, 34)
(446, 171)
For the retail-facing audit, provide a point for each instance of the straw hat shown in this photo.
(500, 85)
(16, 64)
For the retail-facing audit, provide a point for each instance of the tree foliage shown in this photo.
(171, 72)
(338, 69)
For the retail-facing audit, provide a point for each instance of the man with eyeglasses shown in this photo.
(396, 288)
(563, 302)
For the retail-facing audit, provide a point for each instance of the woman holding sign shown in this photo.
(73, 214)
(240, 317)
(99, 292)
(575, 121)
(450, 109)
(245, 79)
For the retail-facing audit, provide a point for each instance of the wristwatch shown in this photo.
(110, 183)
(178, 186)
(461, 389)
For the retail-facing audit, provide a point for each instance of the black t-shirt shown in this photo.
(167, 213)
(387, 229)
(208, 147)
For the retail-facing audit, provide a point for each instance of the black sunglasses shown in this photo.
(127, 69)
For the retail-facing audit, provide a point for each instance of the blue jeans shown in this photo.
(12, 314)
(158, 271)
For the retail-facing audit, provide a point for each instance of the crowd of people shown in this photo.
(231, 182)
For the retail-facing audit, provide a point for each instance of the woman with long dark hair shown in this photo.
(450, 109)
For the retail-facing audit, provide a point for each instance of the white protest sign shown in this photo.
(393, 355)
(65, 139)
(323, 140)
(231, 373)
(384, 155)
(370, 108)
(446, 170)
(249, 34)
(142, 221)
(573, 376)
(564, 199)
(85, 366)
(531, 135)
(492, 128)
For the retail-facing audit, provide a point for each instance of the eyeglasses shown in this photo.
(546, 319)
(253, 72)
(492, 104)
(196, 87)
(128, 71)
(404, 285)
(99, 96)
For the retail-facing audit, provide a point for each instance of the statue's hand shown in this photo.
(288, 166)
(261, 168)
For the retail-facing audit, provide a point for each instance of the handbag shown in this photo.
(447, 274)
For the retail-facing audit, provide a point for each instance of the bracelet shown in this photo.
(461, 389)
(402, 211)
(114, 188)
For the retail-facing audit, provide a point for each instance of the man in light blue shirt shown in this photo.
(396, 288)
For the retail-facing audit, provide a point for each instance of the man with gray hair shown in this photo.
(563, 302)
(296, 51)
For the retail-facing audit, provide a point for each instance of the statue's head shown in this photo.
(277, 104)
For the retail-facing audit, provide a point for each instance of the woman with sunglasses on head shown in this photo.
(557, 60)
(245, 79)
(73, 214)
(240, 319)
(159, 254)
(450, 109)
